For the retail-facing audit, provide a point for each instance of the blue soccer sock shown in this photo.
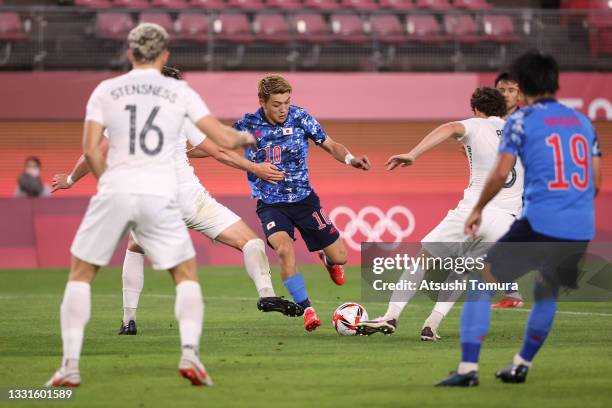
(538, 326)
(297, 288)
(475, 319)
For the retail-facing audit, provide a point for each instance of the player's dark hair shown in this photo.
(272, 85)
(171, 72)
(505, 76)
(34, 159)
(536, 73)
(488, 101)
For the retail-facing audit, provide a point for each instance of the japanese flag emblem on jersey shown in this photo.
(287, 131)
(270, 225)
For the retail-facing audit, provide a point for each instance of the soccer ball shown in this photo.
(347, 316)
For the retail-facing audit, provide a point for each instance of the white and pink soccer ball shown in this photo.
(347, 316)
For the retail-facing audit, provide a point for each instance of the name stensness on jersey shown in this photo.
(144, 89)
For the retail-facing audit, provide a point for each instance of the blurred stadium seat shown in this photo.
(271, 28)
(11, 28)
(246, 4)
(398, 5)
(95, 4)
(361, 5)
(438, 5)
(171, 4)
(322, 4)
(208, 4)
(192, 27)
(284, 4)
(600, 33)
(472, 4)
(233, 28)
(387, 29)
(348, 28)
(424, 28)
(310, 28)
(499, 28)
(163, 19)
(132, 4)
(462, 27)
(113, 26)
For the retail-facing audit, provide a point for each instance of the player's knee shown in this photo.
(255, 244)
(285, 250)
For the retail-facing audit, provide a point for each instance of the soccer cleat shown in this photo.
(509, 302)
(336, 272)
(128, 329)
(193, 370)
(278, 304)
(429, 334)
(460, 380)
(513, 373)
(64, 378)
(369, 327)
(311, 321)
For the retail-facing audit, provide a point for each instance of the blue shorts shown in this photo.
(306, 215)
(522, 250)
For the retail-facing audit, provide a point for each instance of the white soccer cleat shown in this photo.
(64, 378)
(192, 369)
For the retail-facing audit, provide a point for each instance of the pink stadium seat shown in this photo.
(398, 5)
(271, 28)
(246, 4)
(233, 27)
(348, 28)
(310, 28)
(192, 27)
(600, 34)
(133, 4)
(359, 4)
(322, 4)
(163, 19)
(171, 4)
(472, 4)
(11, 28)
(113, 26)
(461, 27)
(440, 5)
(499, 28)
(424, 28)
(208, 4)
(94, 4)
(284, 4)
(387, 29)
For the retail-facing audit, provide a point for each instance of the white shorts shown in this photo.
(450, 239)
(155, 221)
(206, 216)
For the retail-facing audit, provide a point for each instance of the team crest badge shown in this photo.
(270, 225)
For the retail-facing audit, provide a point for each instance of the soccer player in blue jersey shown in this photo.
(282, 131)
(560, 152)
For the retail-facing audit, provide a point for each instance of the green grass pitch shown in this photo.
(269, 360)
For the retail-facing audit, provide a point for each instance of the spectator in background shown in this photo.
(29, 183)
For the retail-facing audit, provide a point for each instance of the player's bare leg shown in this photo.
(333, 257)
(133, 281)
(241, 237)
(292, 279)
(189, 311)
(74, 315)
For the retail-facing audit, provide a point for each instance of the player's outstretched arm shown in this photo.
(92, 149)
(80, 170)
(265, 171)
(434, 138)
(341, 153)
(495, 182)
(224, 136)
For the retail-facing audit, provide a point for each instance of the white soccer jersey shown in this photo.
(481, 141)
(189, 185)
(143, 112)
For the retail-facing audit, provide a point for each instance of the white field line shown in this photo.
(253, 299)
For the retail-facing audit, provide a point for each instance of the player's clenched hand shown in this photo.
(472, 223)
(246, 139)
(60, 181)
(361, 163)
(268, 172)
(399, 160)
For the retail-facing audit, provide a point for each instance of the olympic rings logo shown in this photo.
(358, 224)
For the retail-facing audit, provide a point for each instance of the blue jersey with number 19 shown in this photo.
(556, 145)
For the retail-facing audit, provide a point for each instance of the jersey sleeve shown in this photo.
(94, 109)
(194, 135)
(471, 128)
(313, 129)
(513, 134)
(196, 107)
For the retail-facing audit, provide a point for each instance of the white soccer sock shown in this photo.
(74, 315)
(400, 298)
(434, 320)
(465, 368)
(133, 281)
(257, 266)
(189, 311)
(518, 360)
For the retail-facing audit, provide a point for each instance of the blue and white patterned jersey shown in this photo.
(285, 146)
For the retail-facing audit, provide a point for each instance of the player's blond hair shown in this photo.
(272, 85)
(147, 41)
